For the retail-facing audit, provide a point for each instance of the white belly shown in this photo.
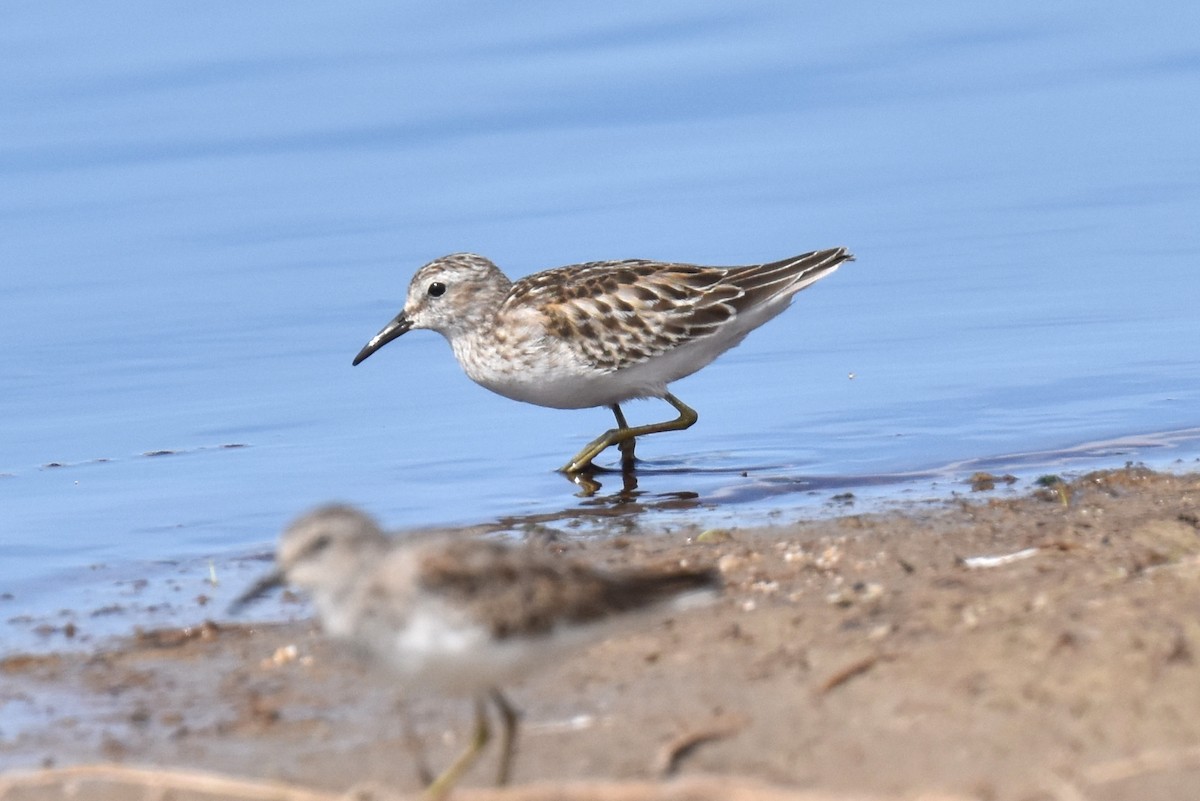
(547, 372)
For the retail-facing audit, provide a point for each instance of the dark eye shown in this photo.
(319, 544)
(437, 289)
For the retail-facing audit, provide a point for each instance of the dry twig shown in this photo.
(666, 761)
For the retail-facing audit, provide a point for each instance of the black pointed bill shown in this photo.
(256, 591)
(397, 327)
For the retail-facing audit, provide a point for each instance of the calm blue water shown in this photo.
(207, 209)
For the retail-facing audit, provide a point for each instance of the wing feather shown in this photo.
(621, 313)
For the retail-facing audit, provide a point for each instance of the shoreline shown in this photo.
(87, 605)
(993, 648)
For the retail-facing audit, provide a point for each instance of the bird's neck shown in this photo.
(477, 322)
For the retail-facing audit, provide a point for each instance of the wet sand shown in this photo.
(874, 655)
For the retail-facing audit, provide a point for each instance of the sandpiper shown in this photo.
(463, 616)
(597, 334)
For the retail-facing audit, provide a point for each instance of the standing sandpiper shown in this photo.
(462, 616)
(597, 334)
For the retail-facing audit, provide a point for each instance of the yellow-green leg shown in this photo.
(626, 434)
(509, 717)
(415, 747)
(628, 460)
(450, 776)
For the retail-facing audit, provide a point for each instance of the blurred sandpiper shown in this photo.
(464, 616)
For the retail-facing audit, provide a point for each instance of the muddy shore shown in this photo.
(1039, 647)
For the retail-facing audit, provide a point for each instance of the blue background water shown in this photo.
(206, 210)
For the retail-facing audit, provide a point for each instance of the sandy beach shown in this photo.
(1014, 649)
